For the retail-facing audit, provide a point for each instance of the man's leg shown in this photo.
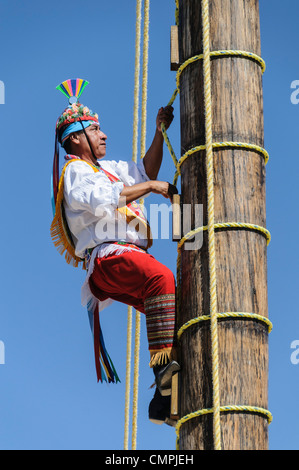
(140, 280)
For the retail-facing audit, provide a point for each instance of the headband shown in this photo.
(75, 127)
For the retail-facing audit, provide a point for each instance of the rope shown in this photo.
(136, 380)
(252, 316)
(216, 145)
(134, 158)
(237, 225)
(142, 150)
(223, 53)
(144, 77)
(223, 409)
(209, 146)
(211, 221)
(128, 378)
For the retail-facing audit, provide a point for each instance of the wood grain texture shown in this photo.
(241, 255)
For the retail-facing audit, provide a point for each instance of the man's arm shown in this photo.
(132, 193)
(153, 158)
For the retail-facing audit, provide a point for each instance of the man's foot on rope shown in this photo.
(164, 375)
(159, 409)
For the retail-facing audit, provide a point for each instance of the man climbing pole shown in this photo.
(98, 223)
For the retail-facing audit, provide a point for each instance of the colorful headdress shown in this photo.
(73, 119)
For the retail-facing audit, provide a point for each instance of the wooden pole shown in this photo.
(241, 254)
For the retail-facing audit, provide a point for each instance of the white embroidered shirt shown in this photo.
(91, 200)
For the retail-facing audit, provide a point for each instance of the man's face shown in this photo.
(97, 140)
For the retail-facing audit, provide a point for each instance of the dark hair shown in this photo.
(67, 144)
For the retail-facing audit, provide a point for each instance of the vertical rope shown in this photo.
(142, 151)
(144, 76)
(128, 378)
(177, 12)
(136, 380)
(134, 158)
(137, 79)
(211, 221)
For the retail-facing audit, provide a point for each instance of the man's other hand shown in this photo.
(165, 116)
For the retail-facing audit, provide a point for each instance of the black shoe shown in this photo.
(164, 375)
(159, 409)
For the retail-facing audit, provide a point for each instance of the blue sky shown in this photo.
(49, 398)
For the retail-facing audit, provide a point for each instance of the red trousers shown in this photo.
(139, 280)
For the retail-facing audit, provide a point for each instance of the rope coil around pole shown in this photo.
(222, 53)
(216, 145)
(223, 409)
(226, 225)
(227, 315)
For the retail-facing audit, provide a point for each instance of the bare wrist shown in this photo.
(151, 185)
(159, 132)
